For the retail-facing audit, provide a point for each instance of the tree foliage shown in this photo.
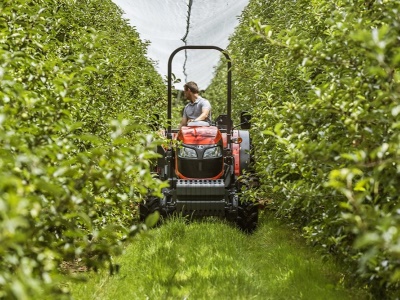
(74, 145)
(322, 81)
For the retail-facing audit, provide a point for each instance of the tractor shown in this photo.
(203, 165)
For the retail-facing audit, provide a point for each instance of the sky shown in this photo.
(164, 23)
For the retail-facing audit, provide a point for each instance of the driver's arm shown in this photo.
(183, 122)
(204, 114)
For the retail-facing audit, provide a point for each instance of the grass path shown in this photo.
(213, 260)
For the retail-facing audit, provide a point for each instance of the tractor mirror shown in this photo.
(245, 118)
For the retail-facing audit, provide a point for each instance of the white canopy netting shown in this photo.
(169, 24)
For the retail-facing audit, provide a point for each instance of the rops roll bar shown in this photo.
(229, 85)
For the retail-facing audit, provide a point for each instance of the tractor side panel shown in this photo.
(241, 152)
(236, 153)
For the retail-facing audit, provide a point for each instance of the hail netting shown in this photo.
(169, 24)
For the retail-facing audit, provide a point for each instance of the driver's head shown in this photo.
(192, 86)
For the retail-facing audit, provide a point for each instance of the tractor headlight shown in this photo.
(212, 152)
(186, 152)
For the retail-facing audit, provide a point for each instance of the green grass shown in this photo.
(213, 260)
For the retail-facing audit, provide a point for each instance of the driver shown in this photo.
(198, 109)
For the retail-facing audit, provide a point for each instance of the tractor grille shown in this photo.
(200, 168)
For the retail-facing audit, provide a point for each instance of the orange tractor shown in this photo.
(205, 166)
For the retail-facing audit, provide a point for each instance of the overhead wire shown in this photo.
(184, 39)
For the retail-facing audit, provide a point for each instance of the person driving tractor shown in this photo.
(198, 109)
(202, 164)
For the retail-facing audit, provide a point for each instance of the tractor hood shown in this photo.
(199, 135)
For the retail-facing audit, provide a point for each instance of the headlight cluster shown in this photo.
(187, 153)
(212, 152)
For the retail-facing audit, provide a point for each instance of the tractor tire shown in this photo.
(151, 205)
(247, 217)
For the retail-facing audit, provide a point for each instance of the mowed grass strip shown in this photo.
(211, 259)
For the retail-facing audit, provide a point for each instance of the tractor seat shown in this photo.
(198, 123)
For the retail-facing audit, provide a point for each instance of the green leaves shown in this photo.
(75, 91)
(152, 219)
(321, 78)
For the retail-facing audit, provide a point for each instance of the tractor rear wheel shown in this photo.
(247, 217)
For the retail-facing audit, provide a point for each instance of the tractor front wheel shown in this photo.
(149, 206)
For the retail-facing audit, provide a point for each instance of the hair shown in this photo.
(192, 86)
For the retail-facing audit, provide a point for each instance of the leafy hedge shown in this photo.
(75, 94)
(322, 79)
